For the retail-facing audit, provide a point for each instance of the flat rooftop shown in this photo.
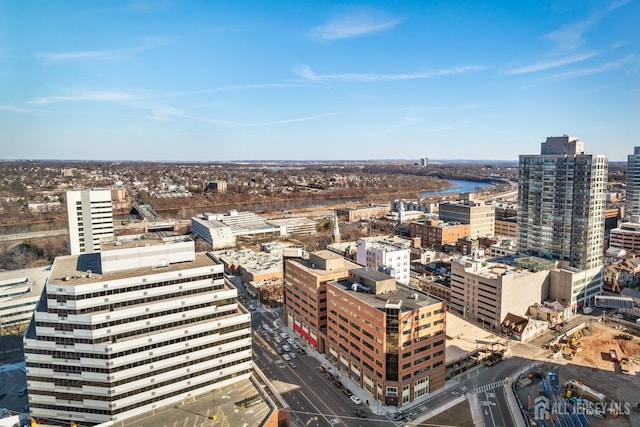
(75, 267)
(401, 293)
(250, 260)
(245, 403)
(464, 337)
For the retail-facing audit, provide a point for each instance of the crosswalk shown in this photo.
(488, 387)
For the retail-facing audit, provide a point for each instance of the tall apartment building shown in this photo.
(141, 325)
(388, 339)
(389, 254)
(305, 293)
(632, 200)
(479, 216)
(90, 217)
(561, 203)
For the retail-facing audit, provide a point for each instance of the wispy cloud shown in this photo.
(608, 66)
(307, 73)
(159, 112)
(554, 63)
(100, 96)
(21, 110)
(107, 54)
(570, 37)
(294, 120)
(350, 25)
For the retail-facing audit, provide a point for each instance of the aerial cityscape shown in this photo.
(259, 214)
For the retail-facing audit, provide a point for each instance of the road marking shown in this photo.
(488, 387)
(314, 406)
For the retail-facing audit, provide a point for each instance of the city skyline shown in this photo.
(170, 81)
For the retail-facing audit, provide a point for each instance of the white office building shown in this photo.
(391, 255)
(90, 218)
(144, 324)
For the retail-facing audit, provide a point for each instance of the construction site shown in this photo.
(588, 378)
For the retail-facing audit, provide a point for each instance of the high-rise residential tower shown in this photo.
(561, 203)
(632, 203)
(90, 218)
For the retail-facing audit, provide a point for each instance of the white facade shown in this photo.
(385, 253)
(486, 291)
(107, 346)
(90, 217)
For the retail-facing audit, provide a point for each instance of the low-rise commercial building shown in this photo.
(436, 234)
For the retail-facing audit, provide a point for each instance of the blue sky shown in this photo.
(222, 80)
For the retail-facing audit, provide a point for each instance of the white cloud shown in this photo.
(100, 96)
(21, 110)
(306, 73)
(294, 120)
(103, 55)
(570, 37)
(158, 112)
(608, 66)
(352, 25)
(554, 63)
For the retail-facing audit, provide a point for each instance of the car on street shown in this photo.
(279, 350)
(278, 340)
(321, 369)
(360, 413)
(292, 355)
(286, 348)
(290, 341)
(293, 365)
(286, 357)
(283, 335)
(355, 399)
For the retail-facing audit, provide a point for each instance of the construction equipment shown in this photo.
(613, 355)
(624, 365)
(575, 387)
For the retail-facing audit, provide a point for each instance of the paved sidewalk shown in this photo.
(375, 406)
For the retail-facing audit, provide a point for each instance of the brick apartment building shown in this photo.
(437, 234)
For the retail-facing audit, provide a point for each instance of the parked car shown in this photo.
(292, 355)
(286, 357)
(321, 369)
(355, 399)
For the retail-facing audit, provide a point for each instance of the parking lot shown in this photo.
(13, 380)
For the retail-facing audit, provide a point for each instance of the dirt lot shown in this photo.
(594, 367)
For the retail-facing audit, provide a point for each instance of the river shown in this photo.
(458, 186)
